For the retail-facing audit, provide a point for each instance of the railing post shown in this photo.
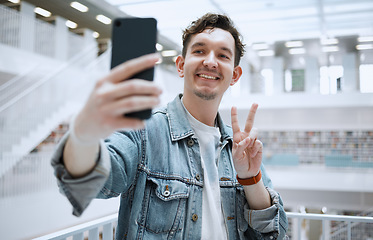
(299, 233)
(349, 230)
(78, 236)
(324, 229)
(93, 234)
(107, 232)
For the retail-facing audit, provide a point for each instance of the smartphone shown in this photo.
(132, 38)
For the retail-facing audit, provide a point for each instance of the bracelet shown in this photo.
(250, 181)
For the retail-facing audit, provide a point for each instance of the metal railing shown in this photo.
(9, 26)
(12, 23)
(106, 226)
(326, 219)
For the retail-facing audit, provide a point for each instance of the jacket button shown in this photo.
(194, 217)
(190, 142)
(198, 177)
(166, 193)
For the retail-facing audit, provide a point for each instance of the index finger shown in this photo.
(250, 118)
(131, 67)
(234, 119)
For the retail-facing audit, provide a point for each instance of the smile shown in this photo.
(207, 76)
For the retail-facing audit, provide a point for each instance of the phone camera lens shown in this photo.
(117, 23)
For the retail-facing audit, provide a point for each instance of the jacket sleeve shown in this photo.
(270, 223)
(80, 191)
(113, 174)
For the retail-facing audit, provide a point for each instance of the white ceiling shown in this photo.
(261, 20)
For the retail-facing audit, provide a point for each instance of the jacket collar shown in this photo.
(180, 127)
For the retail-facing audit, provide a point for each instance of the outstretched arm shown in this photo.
(103, 112)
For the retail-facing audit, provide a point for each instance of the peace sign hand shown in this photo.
(247, 150)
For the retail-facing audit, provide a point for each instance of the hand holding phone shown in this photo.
(132, 38)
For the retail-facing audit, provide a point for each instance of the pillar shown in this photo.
(350, 74)
(61, 44)
(278, 75)
(27, 27)
(312, 76)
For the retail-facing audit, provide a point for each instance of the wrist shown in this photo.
(75, 138)
(251, 180)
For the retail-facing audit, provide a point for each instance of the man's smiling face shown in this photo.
(208, 68)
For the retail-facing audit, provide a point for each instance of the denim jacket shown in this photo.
(158, 175)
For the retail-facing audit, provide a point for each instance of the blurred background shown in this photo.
(308, 64)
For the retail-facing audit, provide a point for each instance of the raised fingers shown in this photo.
(130, 104)
(131, 67)
(250, 118)
(235, 125)
(110, 91)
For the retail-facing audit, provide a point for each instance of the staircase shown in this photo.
(33, 104)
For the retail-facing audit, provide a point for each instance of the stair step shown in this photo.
(26, 123)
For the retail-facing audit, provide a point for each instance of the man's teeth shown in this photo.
(208, 77)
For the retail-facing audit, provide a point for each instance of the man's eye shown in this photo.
(198, 51)
(224, 56)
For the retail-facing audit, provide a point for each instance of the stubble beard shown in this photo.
(205, 96)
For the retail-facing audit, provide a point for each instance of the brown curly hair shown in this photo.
(212, 20)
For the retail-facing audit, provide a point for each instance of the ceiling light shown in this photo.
(365, 39)
(266, 53)
(78, 6)
(364, 46)
(159, 47)
(294, 44)
(329, 41)
(169, 53)
(260, 46)
(103, 19)
(95, 34)
(71, 24)
(14, 1)
(330, 49)
(42, 12)
(297, 51)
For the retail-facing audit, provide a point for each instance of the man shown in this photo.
(183, 174)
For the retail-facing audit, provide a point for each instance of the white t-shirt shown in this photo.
(213, 226)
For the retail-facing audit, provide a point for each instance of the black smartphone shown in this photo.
(132, 38)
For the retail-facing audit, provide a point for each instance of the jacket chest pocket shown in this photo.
(164, 204)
